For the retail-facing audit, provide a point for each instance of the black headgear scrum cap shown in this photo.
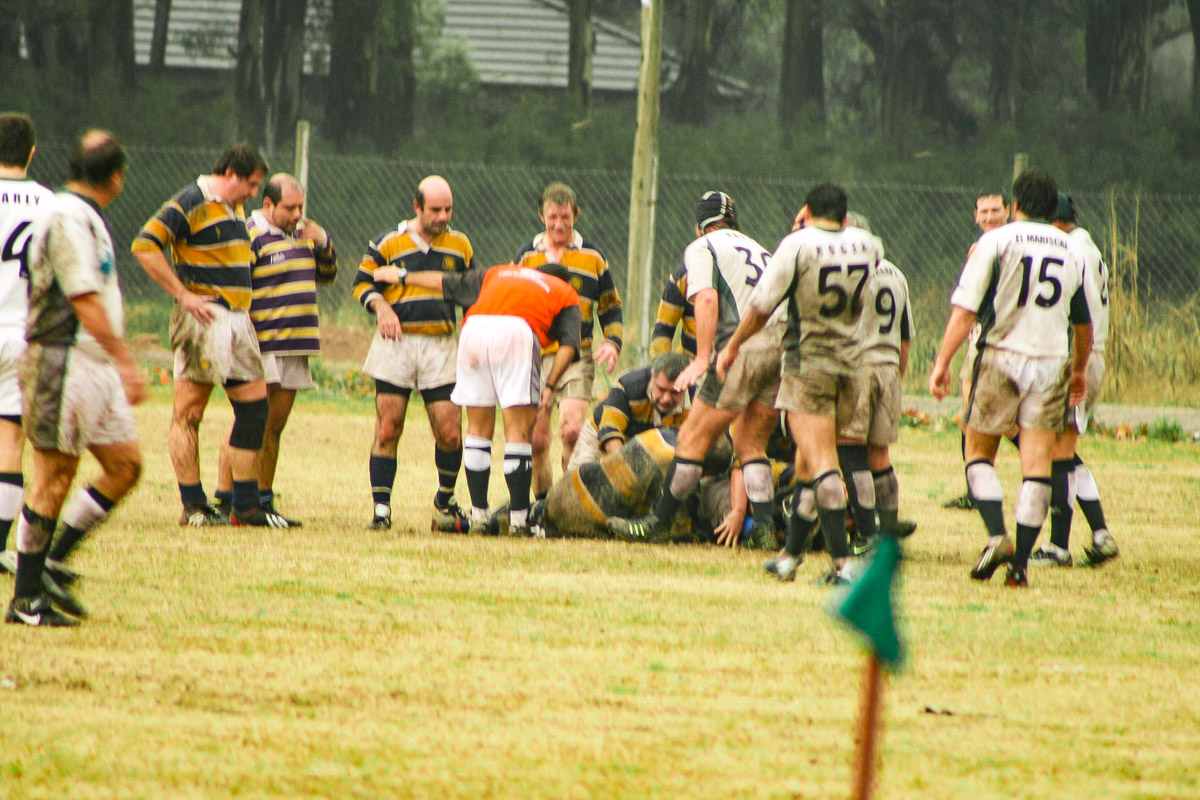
(1065, 211)
(716, 207)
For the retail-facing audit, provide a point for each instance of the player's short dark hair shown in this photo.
(17, 138)
(243, 158)
(669, 364)
(274, 186)
(96, 157)
(1036, 194)
(1064, 211)
(992, 193)
(558, 271)
(827, 201)
(714, 208)
(558, 194)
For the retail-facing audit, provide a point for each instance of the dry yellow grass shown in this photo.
(339, 662)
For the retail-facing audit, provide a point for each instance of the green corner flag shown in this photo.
(867, 607)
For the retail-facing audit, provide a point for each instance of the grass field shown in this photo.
(334, 661)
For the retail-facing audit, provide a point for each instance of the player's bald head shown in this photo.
(97, 156)
(434, 189)
(278, 183)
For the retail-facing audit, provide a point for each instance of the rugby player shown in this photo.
(78, 378)
(414, 347)
(1025, 284)
(21, 199)
(723, 267)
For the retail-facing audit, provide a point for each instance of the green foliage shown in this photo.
(1165, 429)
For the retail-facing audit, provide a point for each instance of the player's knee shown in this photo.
(831, 493)
(127, 471)
(982, 481)
(570, 433)
(449, 438)
(249, 424)
(541, 443)
(189, 417)
(1033, 502)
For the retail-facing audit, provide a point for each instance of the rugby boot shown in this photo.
(450, 518)
(1103, 549)
(204, 516)
(993, 555)
(37, 612)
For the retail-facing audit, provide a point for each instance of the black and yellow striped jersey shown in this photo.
(591, 280)
(421, 311)
(627, 410)
(673, 309)
(207, 242)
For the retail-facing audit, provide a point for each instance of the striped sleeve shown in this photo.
(163, 229)
(326, 259)
(670, 312)
(364, 290)
(614, 419)
(609, 311)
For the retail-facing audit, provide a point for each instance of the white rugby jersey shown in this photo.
(825, 277)
(1025, 281)
(20, 202)
(887, 318)
(1097, 288)
(732, 263)
(71, 255)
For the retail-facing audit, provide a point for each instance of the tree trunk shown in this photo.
(158, 39)
(581, 42)
(248, 81)
(372, 82)
(688, 99)
(1117, 45)
(1193, 7)
(282, 68)
(109, 54)
(802, 72)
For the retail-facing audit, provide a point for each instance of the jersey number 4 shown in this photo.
(11, 251)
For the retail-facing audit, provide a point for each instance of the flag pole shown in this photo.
(868, 729)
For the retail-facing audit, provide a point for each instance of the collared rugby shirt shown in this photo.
(591, 280)
(627, 410)
(206, 240)
(674, 308)
(285, 272)
(421, 311)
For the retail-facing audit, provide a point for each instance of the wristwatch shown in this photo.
(401, 274)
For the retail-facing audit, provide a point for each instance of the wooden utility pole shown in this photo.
(1020, 165)
(302, 137)
(643, 191)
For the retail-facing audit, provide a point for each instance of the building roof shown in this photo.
(509, 42)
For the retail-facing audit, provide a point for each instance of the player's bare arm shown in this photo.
(1080, 354)
(92, 316)
(957, 329)
(160, 271)
(562, 359)
(729, 532)
(705, 302)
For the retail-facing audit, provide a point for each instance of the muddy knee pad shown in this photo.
(249, 424)
(887, 489)
(1033, 502)
(983, 483)
(830, 491)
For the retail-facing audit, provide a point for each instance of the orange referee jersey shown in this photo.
(532, 295)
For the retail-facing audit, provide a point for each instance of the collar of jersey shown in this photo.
(539, 241)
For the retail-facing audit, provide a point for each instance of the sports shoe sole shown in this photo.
(991, 558)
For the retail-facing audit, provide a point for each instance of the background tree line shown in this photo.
(897, 90)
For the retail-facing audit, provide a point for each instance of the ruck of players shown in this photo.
(772, 424)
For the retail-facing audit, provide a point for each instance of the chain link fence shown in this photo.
(927, 230)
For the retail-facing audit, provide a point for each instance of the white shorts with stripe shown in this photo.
(499, 363)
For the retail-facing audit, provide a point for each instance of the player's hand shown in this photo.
(307, 229)
(547, 401)
(939, 380)
(386, 275)
(607, 354)
(691, 374)
(729, 532)
(197, 306)
(389, 323)
(1078, 391)
(724, 359)
(133, 381)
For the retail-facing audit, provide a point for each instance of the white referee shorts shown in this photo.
(499, 363)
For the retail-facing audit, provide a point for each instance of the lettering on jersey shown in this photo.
(276, 258)
(1037, 238)
(22, 199)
